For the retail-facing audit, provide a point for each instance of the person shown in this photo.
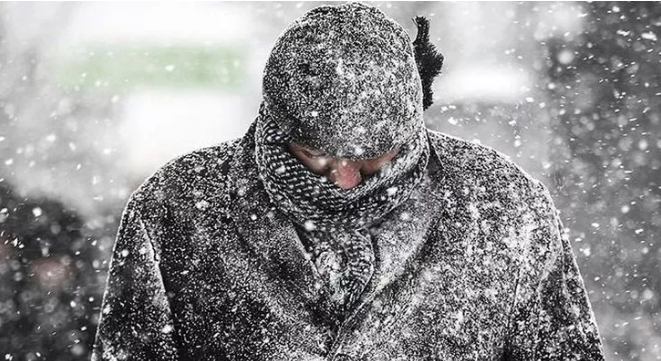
(341, 228)
(46, 257)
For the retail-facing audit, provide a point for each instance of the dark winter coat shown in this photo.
(203, 269)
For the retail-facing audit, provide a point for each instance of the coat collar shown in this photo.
(266, 231)
(271, 236)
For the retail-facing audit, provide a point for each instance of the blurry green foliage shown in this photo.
(218, 67)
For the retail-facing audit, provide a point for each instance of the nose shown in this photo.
(345, 173)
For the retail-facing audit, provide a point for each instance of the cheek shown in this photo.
(371, 167)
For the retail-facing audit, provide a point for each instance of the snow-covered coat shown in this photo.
(206, 268)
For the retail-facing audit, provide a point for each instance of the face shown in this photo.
(345, 173)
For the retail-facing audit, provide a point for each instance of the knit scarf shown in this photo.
(332, 221)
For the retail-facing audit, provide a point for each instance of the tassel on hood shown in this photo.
(429, 61)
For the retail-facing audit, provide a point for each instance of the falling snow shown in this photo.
(93, 97)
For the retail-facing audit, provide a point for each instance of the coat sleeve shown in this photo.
(136, 322)
(552, 318)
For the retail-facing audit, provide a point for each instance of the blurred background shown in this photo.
(94, 97)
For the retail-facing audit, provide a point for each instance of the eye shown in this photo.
(313, 154)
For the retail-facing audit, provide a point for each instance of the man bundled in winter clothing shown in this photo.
(340, 228)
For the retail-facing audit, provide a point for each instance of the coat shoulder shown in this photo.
(496, 202)
(479, 167)
(198, 179)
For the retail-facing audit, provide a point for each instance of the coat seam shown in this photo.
(512, 316)
(160, 273)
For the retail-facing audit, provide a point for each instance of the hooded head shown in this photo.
(343, 80)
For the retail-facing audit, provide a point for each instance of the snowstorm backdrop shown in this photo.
(94, 97)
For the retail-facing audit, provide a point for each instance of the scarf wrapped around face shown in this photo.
(333, 221)
(314, 202)
(344, 80)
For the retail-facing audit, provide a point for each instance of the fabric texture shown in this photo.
(342, 74)
(238, 252)
(316, 203)
(336, 218)
(345, 262)
(341, 79)
(474, 266)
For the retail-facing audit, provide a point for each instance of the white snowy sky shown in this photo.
(160, 116)
(188, 119)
